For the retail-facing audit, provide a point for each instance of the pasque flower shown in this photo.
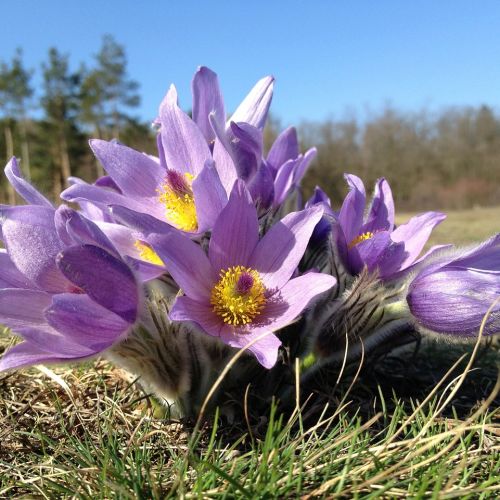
(373, 240)
(199, 159)
(65, 289)
(244, 287)
(182, 187)
(452, 293)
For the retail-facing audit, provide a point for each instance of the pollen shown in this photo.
(147, 253)
(362, 237)
(176, 194)
(239, 296)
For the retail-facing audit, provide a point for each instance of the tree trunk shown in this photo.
(65, 163)
(57, 185)
(25, 150)
(9, 146)
(98, 167)
(116, 123)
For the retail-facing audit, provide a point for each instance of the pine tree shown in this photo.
(59, 101)
(15, 92)
(107, 91)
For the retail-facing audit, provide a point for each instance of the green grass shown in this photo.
(86, 432)
(403, 425)
(463, 227)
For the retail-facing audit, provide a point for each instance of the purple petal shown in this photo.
(33, 243)
(106, 280)
(107, 182)
(415, 234)
(482, 257)
(303, 165)
(277, 255)
(23, 187)
(23, 311)
(368, 252)
(421, 261)
(254, 108)
(236, 231)
(353, 207)
(142, 222)
(222, 155)
(389, 263)
(455, 301)
(104, 198)
(209, 195)
(48, 339)
(381, 212)
(265, 349)
(295, 296)
(485, 256)
(135, 173)
(187, 309)
(261, 187)
(26, 354)
(144, 270)
(123, 238)
(319, 196)
(10, 277)
(84, 322)
(23, 308)
(284, 148)
(186, 150)
(80, 230)
(207, 98)
(324, 226)
(246, 149)
(284, 181)
(186, 262)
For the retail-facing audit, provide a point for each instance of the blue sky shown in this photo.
(328, 57)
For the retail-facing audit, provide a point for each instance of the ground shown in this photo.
(402, 425)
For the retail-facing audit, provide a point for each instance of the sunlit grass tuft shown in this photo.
(87, 432)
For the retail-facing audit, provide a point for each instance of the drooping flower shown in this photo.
(65, 289)
(452, 292)
(244, 287)
(373, 240)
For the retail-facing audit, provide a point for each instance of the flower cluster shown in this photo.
(175, 261)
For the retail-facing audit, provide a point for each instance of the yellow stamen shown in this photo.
(179, 205)
(239, 296)
(360, 238)
(147, 253)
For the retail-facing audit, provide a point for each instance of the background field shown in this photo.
(462, 227)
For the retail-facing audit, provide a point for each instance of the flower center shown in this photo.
(239, 295)
(360, 238)
(147, 253)
(177, 196)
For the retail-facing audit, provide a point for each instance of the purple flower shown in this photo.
(182, 188)
(243, 288)
(372, 240)
(65, 289)
(287, 164)
(238, 151)
(199, 160)
(324, 226)
(452, 293)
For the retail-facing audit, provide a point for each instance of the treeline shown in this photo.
(49, 130)
(446, 159)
